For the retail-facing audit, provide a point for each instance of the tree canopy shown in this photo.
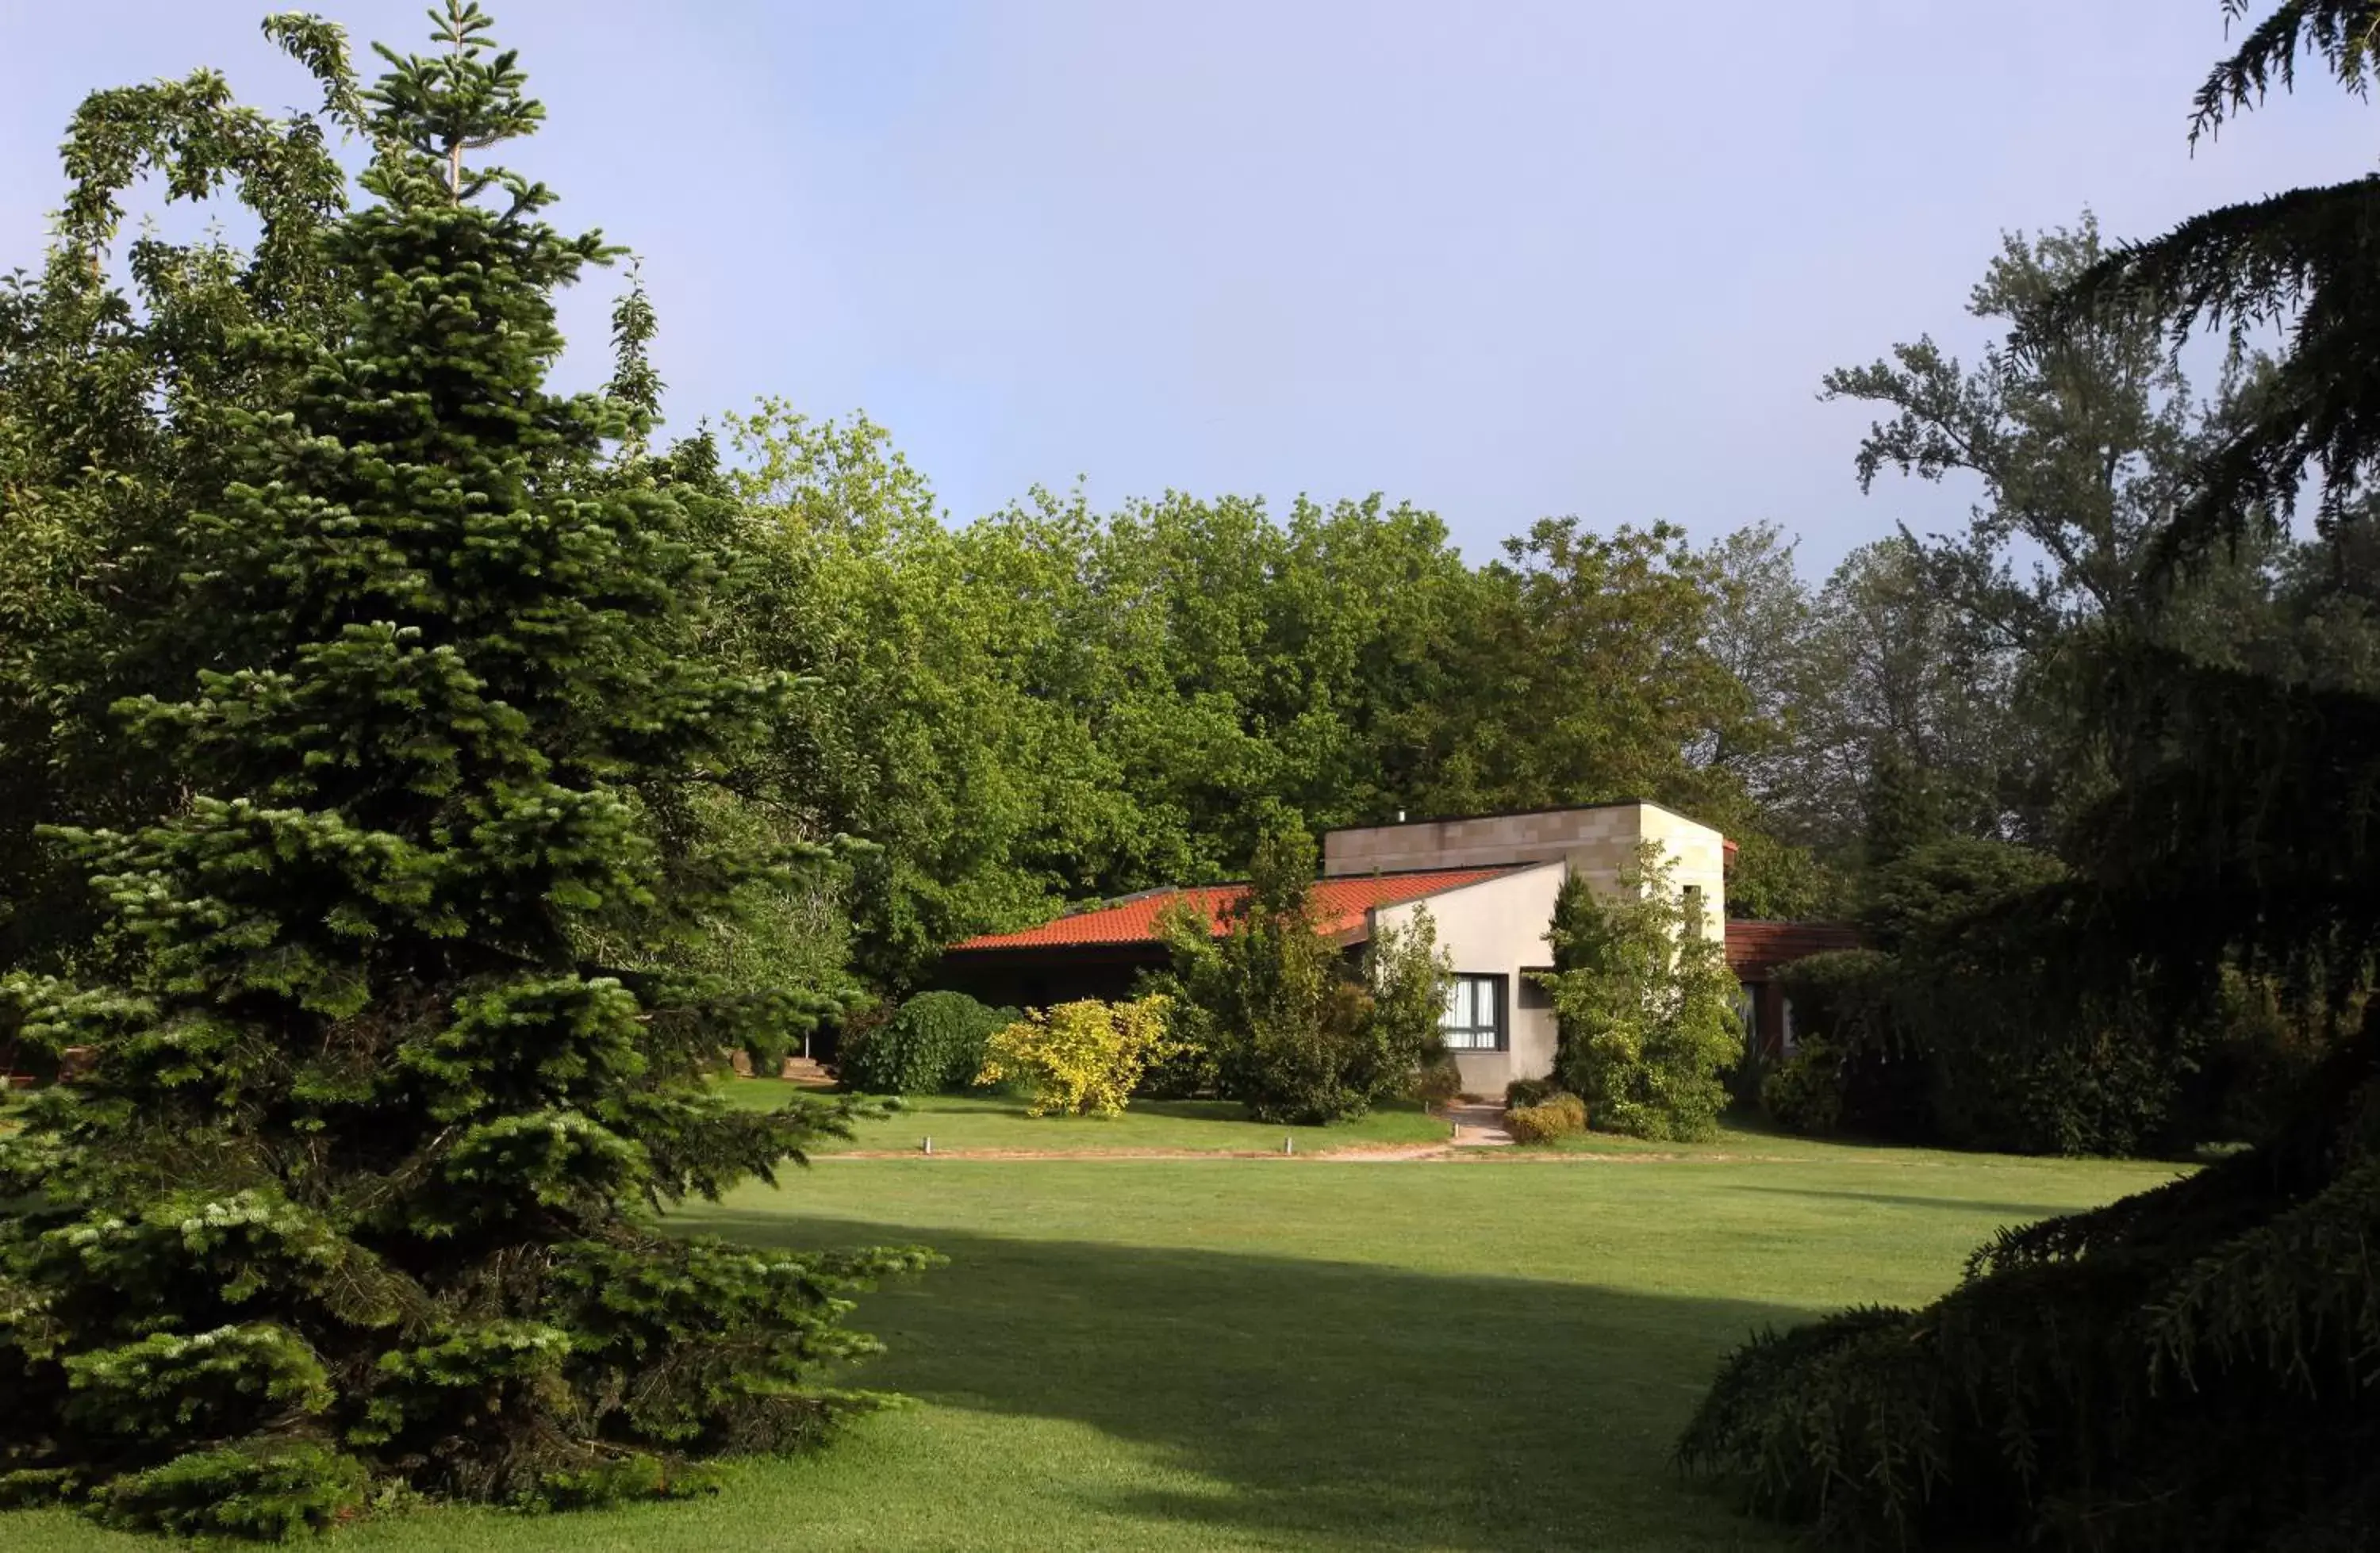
(357, 1190)
(2189, 1368)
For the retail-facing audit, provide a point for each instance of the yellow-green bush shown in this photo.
(1079, 1058)
(1556, 1116)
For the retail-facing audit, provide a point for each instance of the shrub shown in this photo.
(267, 1492)
(1404, 973)
(1644, 1004)
(1295, 1035)
(1530, 1091)
(1188, 1066)
(1081, 1058)
(1557, 1116)
(1804, 1093)
(934, 1043)
(1957, 1030)
(1438, 1083)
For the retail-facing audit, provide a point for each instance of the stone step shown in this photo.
(1478, 1124)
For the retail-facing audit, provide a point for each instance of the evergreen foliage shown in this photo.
(1297, 1035)
(356, 1191)
(1404, 976)
(2189, 1368)
(933, 1043)
(1644, 1003)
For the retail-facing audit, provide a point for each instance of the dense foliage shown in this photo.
(1558, 1115)
(356, 1191)
(2191, 1369)
(116, 416)
(1296, 1033)
(933, 1043)
(1051, 703)
(1643, 1004)
(1955, 1026)
(462, 775)
(1079, 1058)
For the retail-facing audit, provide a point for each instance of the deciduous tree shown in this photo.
(356, 1191)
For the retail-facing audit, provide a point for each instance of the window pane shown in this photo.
(1473, 1021)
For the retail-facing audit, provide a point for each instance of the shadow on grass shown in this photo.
(1331, 1405)
(2025, 1211)
(1184, 1110)
(1232, 1110)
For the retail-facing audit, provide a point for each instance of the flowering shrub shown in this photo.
(1079, 1058)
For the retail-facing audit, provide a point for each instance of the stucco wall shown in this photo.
(1499, 927)
(1699, 856)
(1494, 928)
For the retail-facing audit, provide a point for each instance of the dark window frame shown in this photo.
(1500, 1029)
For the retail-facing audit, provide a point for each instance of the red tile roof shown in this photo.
(1753, 947)
(1341, 903)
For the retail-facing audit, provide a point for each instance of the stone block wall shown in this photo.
(1599, 842)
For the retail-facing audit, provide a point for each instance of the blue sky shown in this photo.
(1503, 259)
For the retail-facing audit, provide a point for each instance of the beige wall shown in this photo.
(1496, 927)
(1697, 855)
(1499, 925)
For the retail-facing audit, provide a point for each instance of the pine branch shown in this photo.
(2341, 32)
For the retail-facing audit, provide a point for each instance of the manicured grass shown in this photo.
(971, 1122)
(1483, 1353)
(1758, 1141)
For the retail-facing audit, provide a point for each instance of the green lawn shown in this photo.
(1482, 1353)
(970, 1122)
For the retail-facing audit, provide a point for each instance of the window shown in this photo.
(1693, 910)
(1475, 1014)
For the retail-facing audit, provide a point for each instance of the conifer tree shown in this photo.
(357, 1193)
(2191, 1367)
(1643, 1004)
(1295, 1032)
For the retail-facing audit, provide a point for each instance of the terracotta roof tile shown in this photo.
(1340, 902)
(1754, 947)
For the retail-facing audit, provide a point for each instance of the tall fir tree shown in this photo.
(357, 1192)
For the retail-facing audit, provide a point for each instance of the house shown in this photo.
(1756, 951)
(1487, 883)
